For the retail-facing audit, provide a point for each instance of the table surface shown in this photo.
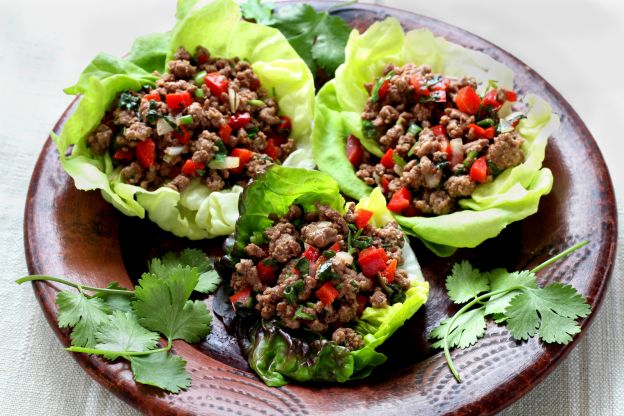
(44, 46)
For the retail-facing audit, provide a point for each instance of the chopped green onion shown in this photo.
(199, 93)
(292, 291)
(199, 78)
(329, 253)
(472, 155)
(299, 313)
(257, 103)
(495, 170)
(185, 120)
(378, 84)
(325, 272)
(414, 129)
(398, 159)
(486, 122)
(369, 130)
(303, 265)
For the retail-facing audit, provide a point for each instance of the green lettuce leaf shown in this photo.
(196, 213)
(278, 356)
(512, 196)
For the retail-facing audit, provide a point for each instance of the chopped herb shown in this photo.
(185, 120)
(127, 101)
(398, 159)
(257, 103)
(369, 130)
(270, 261)
(495, 170)
(362, 242)
(486, 122)
(199, 93)
(472, 155)
(291, 292)
(252, 132)
(325, 272)
(380, 81)
(329, 253)
(299, 313)
(200, 79)
(221, 151)
(442, 165)
(303, 266)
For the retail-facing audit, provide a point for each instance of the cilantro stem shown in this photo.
(447, 353)
(40, 277)
(119, 353)
(559, 256)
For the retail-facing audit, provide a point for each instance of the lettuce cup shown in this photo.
(179, 127)
(316, 284)
(438, 130)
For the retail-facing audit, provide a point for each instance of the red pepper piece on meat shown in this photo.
(179, 100)
(311, 254)
(242, 298)
(244, 156)
(439, 130)
(400, 200)
(390, 271)
(190, 168)
(183, 136)
(266, 273)
(372, 260)
(285, 126)
(387, 160)
(478, 170)
(225, 132)
(327, 293)
(490, 100)
(468, 100)
(239, 120)
(272, 149)
(362, 217)
(122, 154)
(216, 83)
(146, 152)
(153, 96)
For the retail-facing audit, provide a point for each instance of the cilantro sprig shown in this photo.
(318, 37)
(514, 299)
(116, 322)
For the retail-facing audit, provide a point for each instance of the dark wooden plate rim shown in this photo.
(117, 378)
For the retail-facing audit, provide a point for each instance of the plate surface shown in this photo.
(78, 235)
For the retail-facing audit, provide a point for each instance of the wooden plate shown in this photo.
(77, 235)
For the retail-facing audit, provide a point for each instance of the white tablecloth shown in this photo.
(575, 45)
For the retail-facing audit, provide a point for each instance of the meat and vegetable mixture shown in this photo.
(206, 117)
(439, 137)
(320, 270)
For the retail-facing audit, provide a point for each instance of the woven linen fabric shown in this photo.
(45, 45)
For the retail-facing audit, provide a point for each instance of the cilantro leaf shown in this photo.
(209, 279)
(84, 314)
(465, 282)
(115, 301)
(258, 11)
(551, 311)
(163, 305)
(466, 330)
(161, 369)
(122, 332)
(308, 30)
(501, 279)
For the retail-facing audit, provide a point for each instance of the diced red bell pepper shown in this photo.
(241, 298)
(410, 211)
(179, 100)
(239, 120)
(490, 99)
(266, 273)
(478, 171)
(355, 153)
(372, 260)
(385, 183)
(400, 200)
(389, 271)
(439, 130)
(202, 58)
(190, 168)
(387, 160)
(183, 136)
(244, 156)
(383, 89)
(146, 152)
(418, 86)
(362, 302)
(216, 83)
(225, 132)
(153, 96)
(362, 217)
(285, 126)
(271, 149)
(327, 293)
(468, 100)
(482, 133)
(311, 254)
(511, 96)
(335, 247)
(122, 154)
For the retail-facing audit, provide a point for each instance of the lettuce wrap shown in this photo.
(274, 353)
(196, 212)
(512, 196)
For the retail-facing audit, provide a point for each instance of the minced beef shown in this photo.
(201, 111)
(311, 271)
(432, 139)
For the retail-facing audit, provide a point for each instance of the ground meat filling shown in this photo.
(206, 118)
(439, 137)
(318, 271)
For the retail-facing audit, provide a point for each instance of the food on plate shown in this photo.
(439, 129)
(207, 118)
(179, 127)
(314, 280)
